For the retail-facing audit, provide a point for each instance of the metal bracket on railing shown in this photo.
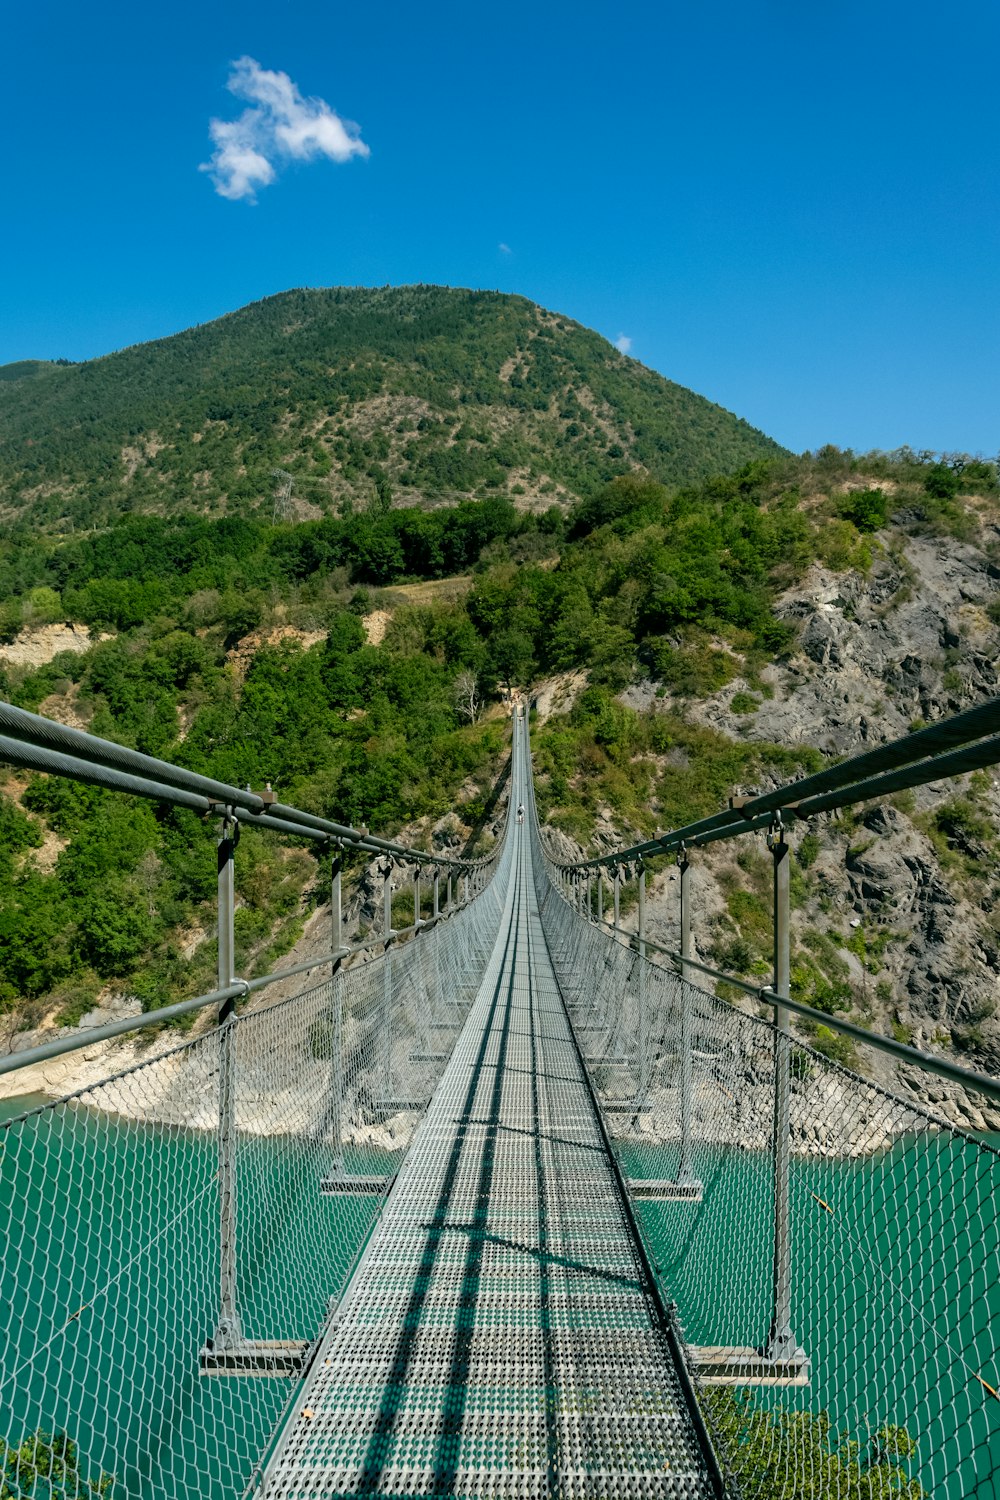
(776, 832)
(223, 810)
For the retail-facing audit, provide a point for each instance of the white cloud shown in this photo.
(504, 248)
(623, 343)
(279, 126)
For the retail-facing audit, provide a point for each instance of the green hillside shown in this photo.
(247, 650)
(396, 395)
(484, 496)
(26, 369)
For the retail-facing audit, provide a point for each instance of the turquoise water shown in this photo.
(110, 1288)
(896, 1288)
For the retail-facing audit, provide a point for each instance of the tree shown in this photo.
(511, 657)
(798, 1456)
(240, 612)
(114, 932)
(46, 1466)
(42, 606)
(466, 691)
(868, 509)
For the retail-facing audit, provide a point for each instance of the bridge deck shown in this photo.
(499, 1337)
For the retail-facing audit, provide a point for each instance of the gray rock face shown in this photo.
(911, 640)
(916, 896)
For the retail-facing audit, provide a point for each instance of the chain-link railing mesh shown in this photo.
(894, 1252)
(115, 1241)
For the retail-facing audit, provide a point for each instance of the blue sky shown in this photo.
(792, 208)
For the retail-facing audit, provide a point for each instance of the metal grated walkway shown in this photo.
(500, 1337)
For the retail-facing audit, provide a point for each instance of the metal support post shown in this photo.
(386, 1027)
(465, 885)
(416, 896)
(448, 897)
(642, 910)
(436, 936)
(781, 1342)
(336, 898)
(337, 1014)
(229, 1333)
(586, 896)
(228, 1352)
(644, 1027)
(600, 897)
(618, 895)
(387, 901)
(685, 1177)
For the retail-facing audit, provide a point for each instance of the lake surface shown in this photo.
(110, 1289)
(896, 1288)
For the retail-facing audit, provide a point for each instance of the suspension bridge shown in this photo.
(508, 1202)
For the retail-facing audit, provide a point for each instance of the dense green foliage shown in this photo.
(122, 577)
(654, 769)
(422, 392)
(46, 1467)
(369, 734)
(27, 369)
(799, 1455)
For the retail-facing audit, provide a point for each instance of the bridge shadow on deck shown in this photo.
(445, 1462)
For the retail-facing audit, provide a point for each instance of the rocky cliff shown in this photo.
(895, 921)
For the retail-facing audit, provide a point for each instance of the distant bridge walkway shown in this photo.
(501, 1335)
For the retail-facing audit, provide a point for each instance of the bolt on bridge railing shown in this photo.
(178, 1234)
(832, 1247)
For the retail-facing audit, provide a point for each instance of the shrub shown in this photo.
(808, 850)
(868, 509)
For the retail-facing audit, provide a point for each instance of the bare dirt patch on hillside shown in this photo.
(242, 655)
(39, 644)
(376, 624)
(66, 708)
(434, 590)
(556, 695)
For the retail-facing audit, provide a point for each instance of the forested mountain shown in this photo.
(27, 369)
(692, 624)
(398, 394)
(685, 639)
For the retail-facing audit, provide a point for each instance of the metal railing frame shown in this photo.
(901, 1051)
(914, 760)
(966, 742)
(39, 744)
